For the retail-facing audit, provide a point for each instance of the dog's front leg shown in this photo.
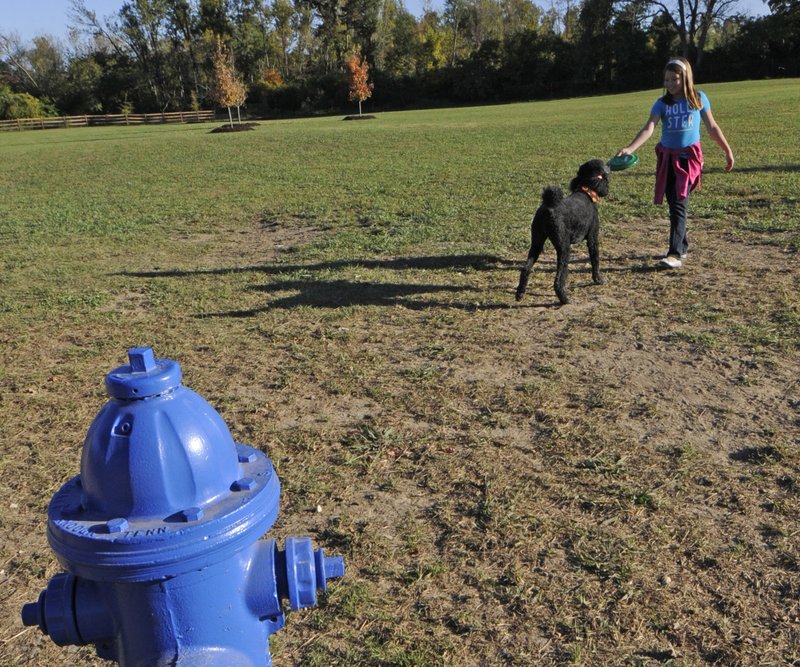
(593, 241)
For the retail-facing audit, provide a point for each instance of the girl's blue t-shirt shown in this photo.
(680, 125)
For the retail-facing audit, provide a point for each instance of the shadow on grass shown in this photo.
(342, 293)
(749, 169)
(754, 168)
(757, 455)
(441, 262)
(650, 265)
(339, 293)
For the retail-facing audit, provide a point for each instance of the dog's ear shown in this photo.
(589, 170)
(596, 167)
(600, 181)
(586, 174)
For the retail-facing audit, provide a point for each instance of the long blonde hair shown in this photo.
(684, 68)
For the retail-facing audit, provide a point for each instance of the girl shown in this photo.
(679, 158)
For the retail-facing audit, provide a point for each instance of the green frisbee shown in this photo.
(622, 162)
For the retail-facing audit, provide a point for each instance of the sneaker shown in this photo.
(670, 262)
(684, 255)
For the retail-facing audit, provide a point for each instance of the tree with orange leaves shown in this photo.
(228, 90)
(360, 86)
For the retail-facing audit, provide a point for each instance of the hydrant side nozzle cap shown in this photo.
(333, 566)
(31, 614)
(327, 567)
(143, 376)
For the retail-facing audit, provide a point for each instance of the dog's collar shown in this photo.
(590, 193)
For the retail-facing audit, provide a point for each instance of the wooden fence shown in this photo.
(107, 119)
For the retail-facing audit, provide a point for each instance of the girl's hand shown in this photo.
(624, 151)
(729, 162)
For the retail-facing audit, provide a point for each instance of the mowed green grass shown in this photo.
(465, 175)
(615, 482)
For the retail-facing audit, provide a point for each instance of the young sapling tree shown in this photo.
(228, 90)
(360, 85)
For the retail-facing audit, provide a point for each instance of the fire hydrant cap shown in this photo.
(143, 376)
(164, 488)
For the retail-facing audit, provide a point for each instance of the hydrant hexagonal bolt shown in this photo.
(159, 535)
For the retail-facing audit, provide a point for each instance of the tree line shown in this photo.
(290, 56)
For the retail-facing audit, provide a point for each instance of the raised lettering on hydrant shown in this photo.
(159, 535)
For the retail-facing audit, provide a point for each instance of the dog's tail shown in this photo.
(552, 196)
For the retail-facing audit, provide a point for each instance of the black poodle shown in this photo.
(566, 221)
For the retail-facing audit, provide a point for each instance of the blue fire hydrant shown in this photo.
(159, 535)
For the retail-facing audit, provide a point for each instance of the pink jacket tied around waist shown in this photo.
(687, 179)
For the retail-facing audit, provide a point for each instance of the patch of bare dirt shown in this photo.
(236, 127)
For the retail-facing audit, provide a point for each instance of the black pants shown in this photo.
(678, 211)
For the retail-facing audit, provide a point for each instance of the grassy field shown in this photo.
(614, 482)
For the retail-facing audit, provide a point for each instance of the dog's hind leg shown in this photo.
(538, 237)
(593, 243)
(562, 262)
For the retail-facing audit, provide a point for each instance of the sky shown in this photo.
(29, 18)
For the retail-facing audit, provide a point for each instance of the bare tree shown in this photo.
(12, 51)
(692, 20)
(86, 21)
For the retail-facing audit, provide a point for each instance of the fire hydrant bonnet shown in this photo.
(161, 482)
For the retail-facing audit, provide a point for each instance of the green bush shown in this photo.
(22, 105)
